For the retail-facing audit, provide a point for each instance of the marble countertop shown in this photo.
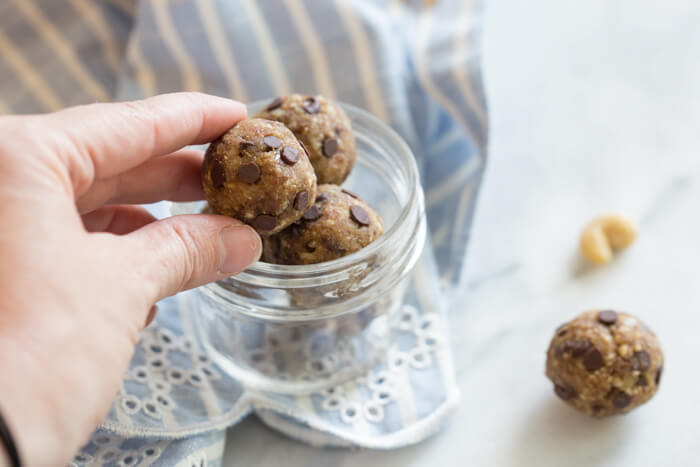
(594, 107)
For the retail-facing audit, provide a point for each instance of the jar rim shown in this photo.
(261, 269)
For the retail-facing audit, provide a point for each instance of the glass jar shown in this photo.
(292, 329)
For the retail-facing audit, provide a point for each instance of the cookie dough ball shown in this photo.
(324, 129)
(605, 362)
(258, 173)
(339, 223)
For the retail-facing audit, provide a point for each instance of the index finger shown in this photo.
(116, 137)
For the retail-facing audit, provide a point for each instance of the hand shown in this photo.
(80, 266)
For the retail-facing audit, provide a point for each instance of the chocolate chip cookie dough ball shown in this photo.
(258, 173)
(605, 362)
(339, 223)
(324, 129)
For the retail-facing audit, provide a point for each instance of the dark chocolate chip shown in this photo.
(620, 400)
(301, 200)
(593, 359)
(641, 361)
(271, 142)
(576, 348)
(642, 381)
(597, 408)
(564, 392)
(608, 317)
(350, 193)
(562, 332)
(294, 230)
(657, 378)
(217, 173)
(330, 147)
(322, 197)
(311, 105)
(249, 173)
(265, 222)
(359, 215)
(245, 144)
(311, 214)
(290, 155)
(276, 103)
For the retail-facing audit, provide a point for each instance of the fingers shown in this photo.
(182, 252)
(118, 220)
(107, 139)
(175, 177)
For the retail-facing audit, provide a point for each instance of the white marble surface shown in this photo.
(595, 106)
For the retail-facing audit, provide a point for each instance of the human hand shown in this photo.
(80, 267)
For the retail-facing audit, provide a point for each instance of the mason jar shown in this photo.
(294, 329)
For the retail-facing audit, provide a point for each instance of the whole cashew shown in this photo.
(605, 234)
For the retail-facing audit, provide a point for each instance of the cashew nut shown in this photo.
(605, 234)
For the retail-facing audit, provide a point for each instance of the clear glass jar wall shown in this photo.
(298, 328)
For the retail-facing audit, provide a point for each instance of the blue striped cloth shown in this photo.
(413, 63)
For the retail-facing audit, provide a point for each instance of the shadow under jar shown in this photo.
(294, 329)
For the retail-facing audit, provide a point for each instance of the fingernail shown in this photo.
(240, 247)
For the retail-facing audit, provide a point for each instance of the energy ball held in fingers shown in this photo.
(324, 130)
(339, 223)
(605, 363)
(258, 173)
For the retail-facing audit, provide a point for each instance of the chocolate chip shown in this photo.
(265, 222)
(339, 129)
(657, 378)
(608, 317)
(564, 392)
(642, 381)
(217, 173)
(641, 361)
(310, 247)
(576, 348)
(562, 332)
(596, 408)
(620, 400)
(311, 214)
(290, 155)
(245, 144)
(276, 103)
(311, 105)
(593, 360)
(249, 173)
(350, 193)
(359, 215)
(330, 147)
(301, 200)
(322, 197)
(271, 142)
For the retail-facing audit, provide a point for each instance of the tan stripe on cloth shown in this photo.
(142, 70)
(28, 75)
(365, 63)
(314, 48)
(222, 50)
(55, 40)
(269, 49)
(461, 72)
(97, 23)
(190, 75)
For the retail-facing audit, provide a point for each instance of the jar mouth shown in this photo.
(261, 270)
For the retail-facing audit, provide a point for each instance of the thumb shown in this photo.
(182, 252)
